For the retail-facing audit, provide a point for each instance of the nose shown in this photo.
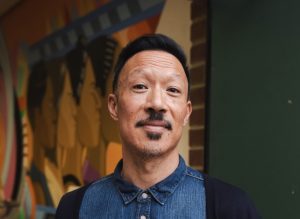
(156, 101)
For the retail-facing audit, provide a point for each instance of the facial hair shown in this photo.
(154, 116)
(150, 152)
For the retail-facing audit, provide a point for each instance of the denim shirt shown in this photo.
(180, 195)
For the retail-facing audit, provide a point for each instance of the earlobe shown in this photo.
(112, 106)
(188, 112)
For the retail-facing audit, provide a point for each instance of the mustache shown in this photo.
(154, 116)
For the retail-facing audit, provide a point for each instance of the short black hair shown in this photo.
(151, 42)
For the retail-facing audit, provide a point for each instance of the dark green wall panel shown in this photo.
(254, 118)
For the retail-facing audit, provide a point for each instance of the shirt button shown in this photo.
(143, 217)
(144, 196)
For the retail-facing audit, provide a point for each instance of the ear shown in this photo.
(188, 112)
(112, 106)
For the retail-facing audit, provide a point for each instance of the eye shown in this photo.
(173, 90)
(139, 87)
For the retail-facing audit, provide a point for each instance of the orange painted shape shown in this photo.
(113, 155)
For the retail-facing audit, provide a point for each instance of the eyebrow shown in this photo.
(142, 70)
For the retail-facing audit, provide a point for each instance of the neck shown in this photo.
(146, 173)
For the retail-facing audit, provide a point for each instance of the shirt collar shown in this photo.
(160, 191)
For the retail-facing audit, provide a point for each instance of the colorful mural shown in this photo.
(10, 143)
(54, 125)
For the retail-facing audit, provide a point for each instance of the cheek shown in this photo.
(129, 116)
(126, 115)
(129, 108)
(179, 118)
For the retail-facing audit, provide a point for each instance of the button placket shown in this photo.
(144, 195)
(144, 205)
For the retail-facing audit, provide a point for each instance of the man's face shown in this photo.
(151, 103)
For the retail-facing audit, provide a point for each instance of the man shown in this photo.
(150, 103)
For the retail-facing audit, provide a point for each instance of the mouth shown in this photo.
(154, 128)
(154, 125)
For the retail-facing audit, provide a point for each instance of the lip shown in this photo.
(155, 126)
(154, 129)
(156, 123)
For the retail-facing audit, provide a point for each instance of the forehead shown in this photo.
(154, 59)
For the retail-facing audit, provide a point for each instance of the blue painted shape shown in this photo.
(100, 17)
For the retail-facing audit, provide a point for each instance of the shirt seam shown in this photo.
(194, 176)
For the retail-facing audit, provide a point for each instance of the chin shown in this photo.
(154, 136)
(153, 149)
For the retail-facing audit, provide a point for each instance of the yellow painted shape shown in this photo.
(54, 181)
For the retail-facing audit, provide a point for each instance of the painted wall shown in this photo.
(60, 95)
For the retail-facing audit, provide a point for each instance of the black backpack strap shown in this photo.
(78, 200)
(210, 198)
(70, 203)
(225, 201)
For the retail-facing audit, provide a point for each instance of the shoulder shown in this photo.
(70, 202)
(190, 172)
(103, 187)
(227, 201)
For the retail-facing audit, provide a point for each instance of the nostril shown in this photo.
(152, 110)
(163, 110)
(155, 115)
